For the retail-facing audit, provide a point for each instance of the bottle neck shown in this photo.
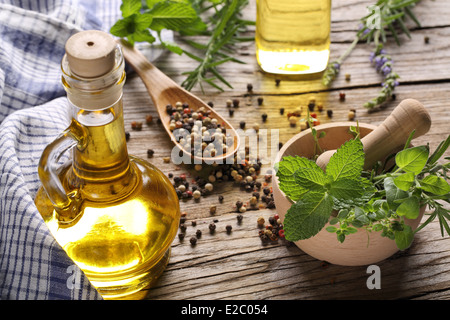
(97, 111)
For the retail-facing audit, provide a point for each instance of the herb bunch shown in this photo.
(348, 197)
(386, 16)
(217, 20)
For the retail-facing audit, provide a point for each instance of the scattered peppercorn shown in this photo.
(150, 153)
(342, 96)
(329, 113)
(220, 198)
(281, 111)
(193, 241)
(136, 125)
(249, 87)
(127, 136)
(277, 82)
(264, 117)
(211, 104)
(228, 228)
(351, 115)
(212, 227)
(426, 39)
(311, 106)
(149, 119)
(242, 125)
(198, 233)
(181, 236)
(260, 101)
(239, 218)
(230, 112)
(236, 103)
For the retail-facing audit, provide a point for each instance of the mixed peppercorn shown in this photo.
(244, 172)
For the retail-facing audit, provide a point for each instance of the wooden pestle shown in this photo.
(393, 133)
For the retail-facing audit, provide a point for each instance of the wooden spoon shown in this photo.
(393, 133)
(164, 91)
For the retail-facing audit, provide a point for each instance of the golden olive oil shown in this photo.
(293, 36)
(128, 216)
(115, 215)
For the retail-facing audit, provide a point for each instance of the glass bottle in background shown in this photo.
(293, 36)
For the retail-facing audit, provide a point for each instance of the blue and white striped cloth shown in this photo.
(32, 113)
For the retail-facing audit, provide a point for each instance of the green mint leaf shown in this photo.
(307, 216)
(134, 24)
(141, 36)
(347, 162)
(286, 170)
(346, 189)
(435, 185)
(172, 15)
(393, 194)
(412, 159)
(405, 181)
(123, 27)
(312, 179)
(409, 208)
(404, 238)
(129, 7)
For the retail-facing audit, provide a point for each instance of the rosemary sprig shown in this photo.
(222, 28)
(226, 25)
(385, 16)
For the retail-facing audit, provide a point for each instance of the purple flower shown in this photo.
(386, 70)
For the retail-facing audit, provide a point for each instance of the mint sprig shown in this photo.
(319, 189)
(349, 198)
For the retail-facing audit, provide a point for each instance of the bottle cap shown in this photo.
(91, 53)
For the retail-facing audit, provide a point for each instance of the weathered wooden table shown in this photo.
(238, 265)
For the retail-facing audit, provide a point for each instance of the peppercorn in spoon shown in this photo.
(172, 101)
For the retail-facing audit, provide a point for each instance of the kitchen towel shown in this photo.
(33, 111)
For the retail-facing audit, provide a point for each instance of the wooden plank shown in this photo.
(238, 265)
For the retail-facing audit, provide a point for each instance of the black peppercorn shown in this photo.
(281, 111)
(228, 228)
(264, 117)
(150, 153)
(239, 217)
(212, 227)
(198, 233)
(181, 236)
(266, 190)
(127, 136)
(236, 103)
(260, 101)
(239, 204)
(249, 87)
(220, 198)
(230, 112)
(330, 113)
(242, 124)
(193, 241)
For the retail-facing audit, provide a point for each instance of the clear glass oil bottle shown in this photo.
(293, 36)
(114, 214)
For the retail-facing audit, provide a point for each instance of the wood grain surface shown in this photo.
(238, 265)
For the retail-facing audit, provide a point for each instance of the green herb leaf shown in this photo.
(435, 185)
(308, 216)
(312, 179)
(129, 7)
(404, 238)
(346, 189)
(409, 208)
(412, 159)
(172, 15)
(347, 162)
(405, 181)
(286, 170)
(393, 194)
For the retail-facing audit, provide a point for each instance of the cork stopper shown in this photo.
(91, 53)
